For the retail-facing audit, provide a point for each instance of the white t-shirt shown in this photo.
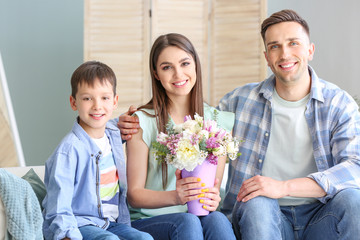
(290, 152)
(109, 180)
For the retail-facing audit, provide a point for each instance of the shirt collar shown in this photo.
(316, 92)
(111, 125)
(317, 86)
(267, 87)
(83, 136)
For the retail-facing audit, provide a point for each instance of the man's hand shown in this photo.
(128, 124)
(261, 186)
(268, 187)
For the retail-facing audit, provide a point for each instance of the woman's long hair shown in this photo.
(160, 102)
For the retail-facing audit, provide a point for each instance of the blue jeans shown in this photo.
(263, 218)
(186, 226)
(115, 231)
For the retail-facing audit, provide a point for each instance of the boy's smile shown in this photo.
(95, 105)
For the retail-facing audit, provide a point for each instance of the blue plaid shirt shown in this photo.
(334, 123)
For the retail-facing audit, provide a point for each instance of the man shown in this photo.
(299, 173)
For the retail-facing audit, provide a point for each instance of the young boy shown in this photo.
(85, 177)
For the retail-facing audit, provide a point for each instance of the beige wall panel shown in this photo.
(225, 34)
(188, 17)
(116, 33)
(236, 45)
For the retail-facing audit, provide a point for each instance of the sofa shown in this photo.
(33, 177)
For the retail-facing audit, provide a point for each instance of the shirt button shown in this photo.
(266, 134)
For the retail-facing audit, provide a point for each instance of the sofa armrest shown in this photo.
(18, 171)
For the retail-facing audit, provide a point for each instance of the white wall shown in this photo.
(334, 28)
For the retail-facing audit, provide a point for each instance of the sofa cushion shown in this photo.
(37, 185)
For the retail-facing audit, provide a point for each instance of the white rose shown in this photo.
(187, 155)
(230, 147)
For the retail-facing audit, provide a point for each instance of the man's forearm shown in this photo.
(303, 187)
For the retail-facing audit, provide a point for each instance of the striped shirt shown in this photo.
(109, 180)
(334, 124)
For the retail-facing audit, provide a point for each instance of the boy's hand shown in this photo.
(128, 124)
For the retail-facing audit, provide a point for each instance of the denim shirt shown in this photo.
(334, 124)
(72, 181)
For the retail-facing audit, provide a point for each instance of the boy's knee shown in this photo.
(142, 236)
(135, 234)
(111, 238)
(107, 236)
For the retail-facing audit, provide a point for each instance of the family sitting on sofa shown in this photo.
(298, 176)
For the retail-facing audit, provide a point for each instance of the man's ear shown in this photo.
(311, 51)
(266, 57)
(73, 103)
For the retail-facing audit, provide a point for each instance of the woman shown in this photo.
(156, 191)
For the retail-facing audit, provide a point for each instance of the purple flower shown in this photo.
(187, 118)
(212, 158)
(220, 134)
(211, 143)
(172, 142)
(194, 139)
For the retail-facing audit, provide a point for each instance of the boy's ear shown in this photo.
(116, 99)
(73, 103)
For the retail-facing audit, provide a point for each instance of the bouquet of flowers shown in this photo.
(189, 144)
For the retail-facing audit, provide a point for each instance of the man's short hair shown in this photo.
(285, 15)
